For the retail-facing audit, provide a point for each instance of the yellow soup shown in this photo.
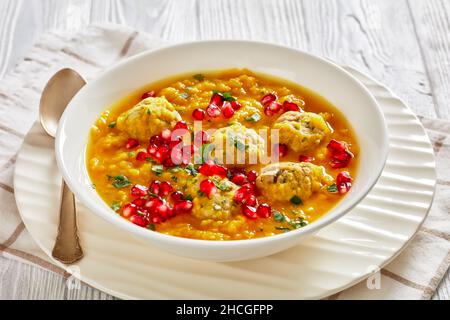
(223, 155)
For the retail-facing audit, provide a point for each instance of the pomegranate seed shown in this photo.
(227, 110)
(268, 98)
(290, 106)
(156, 140)
(155, 187)
(281, 149)
(139, 202)
(142, 156)
(241, 194)
(177, 196)
(156, 219)
(153, 203)
(198, 114)
(236, 105)
(249, 212)
(264, 210)
(181, 125)
(165, 188)
(216, 99)
(201, 137)
(162, 153)
(208, 169)
(162, 210)
(252, 175)
(152, 149)
(138, 220)
(149, 94)
(250, 201)
(303, 158)
(183, 206)
(343, 182)
(131, 143)
(274, 106)
(128, 210)
(138, 191)
(239, 179)
(340, 155)
(208, 187)
(213, 111)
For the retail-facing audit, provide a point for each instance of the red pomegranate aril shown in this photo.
(177, 196)
(166, 134)
(303, 158)
(249, 212)
(268, 98)
(138, 220)
(142, 156)
(183, 206)
(290, 106)
(181, 125)
(336, 146)
(241, 194)
(152, 148)
(149, 94)
(128, 210)
(165, 188)
(139, 191)
(281, 149)
(227, 110)
(274, 106)
(252, 175)
(208, 187)
(264, 210)
(218, 170)
(163, 210)
(343, 182)
(250, 201)
(162, 153)
(153, 203)
(213, 111)
(155, 187)
(156, 140)
(140, 202)
(131, 143)
(156, 219)
(236, 105)
(198, 114)
(268, 112)
(216, 99)
(239, 179)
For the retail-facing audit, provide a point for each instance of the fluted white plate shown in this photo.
(339, 256)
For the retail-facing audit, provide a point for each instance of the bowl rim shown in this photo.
(330, 217)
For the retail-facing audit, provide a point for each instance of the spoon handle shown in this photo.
(67, 247)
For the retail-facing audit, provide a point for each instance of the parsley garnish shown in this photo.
(223, 186)
(184, 95)
(120, 181)
(199, 77)
(158, 169)
(283, 229)
(297, 224)
(174, 179)
(332, 188)
(115, 206)
(112, 124)
(254, 117)
(226, 96)
(278, 216)
(151, 226)
(296, 200)
(191, 169)
(188, 197)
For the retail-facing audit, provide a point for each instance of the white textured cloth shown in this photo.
(414, 274)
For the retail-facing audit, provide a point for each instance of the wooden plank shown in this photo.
(432, 25)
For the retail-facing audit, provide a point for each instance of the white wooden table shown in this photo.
(405, 44)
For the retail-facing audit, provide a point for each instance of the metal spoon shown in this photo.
(57, 94)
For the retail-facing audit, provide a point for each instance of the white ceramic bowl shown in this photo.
(322, 76)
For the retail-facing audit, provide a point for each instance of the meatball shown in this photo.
(302, 131)
(284, 180)
(148, 118)
(219, 206)
(237, 145)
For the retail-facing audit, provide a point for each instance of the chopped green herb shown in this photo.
(151, 226)
(93, 186)
(201, 194)
(228, 97)
(283, 229)
(131, 154)
(115, 206)
(174, 169)
(174, 179)
(188, 197)
(333, 188)
(112, 124)
(254, 117)
(278, 216)
(184, 95)
(223, 186)
(199, 77)
(296, 200)
(148, 159)
(149, 112)
(158, 169)
(120, 181)
(191, 169)
(296, 224)
(240, 145)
